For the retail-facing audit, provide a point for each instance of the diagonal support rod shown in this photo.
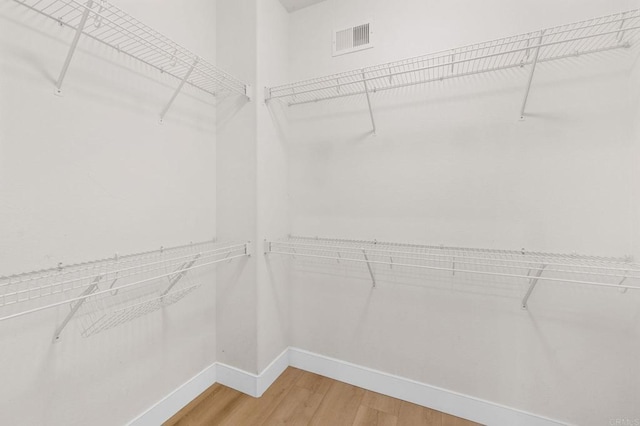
(532, 285)
(366, 90)
(178, 90)
(74, 309)
(373, 277)
(620, 35)
(533, 69)
(184, 271)
(74, 45)
(624, 289)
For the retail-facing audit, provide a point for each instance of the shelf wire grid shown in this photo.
(620, 30)
(136, 282)
(113, 27)
(619, 273)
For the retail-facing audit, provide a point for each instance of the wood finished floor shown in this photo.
(302, 398)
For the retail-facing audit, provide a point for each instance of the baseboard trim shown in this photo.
(168, 406)
(271, 373)
(456, 404)
(253, 384)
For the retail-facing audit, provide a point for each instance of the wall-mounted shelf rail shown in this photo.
(108, 292)
(522, 266)
(616, 31)
(104, 22)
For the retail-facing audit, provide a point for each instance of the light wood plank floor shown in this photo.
(302, 398)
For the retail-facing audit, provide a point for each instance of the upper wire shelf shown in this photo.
(106, 23)
(108, 292)
(618, 273)
(620, 30)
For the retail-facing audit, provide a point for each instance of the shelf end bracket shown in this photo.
(366, 90)
(180, 273)
(74, 309)
(373, 277)
(532, 285)
(178, 90)
(72, 48)
(533, 69)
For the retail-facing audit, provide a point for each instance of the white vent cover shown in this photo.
(352, 39)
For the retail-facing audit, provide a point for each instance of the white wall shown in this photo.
(91, 174)
(272, 202)
(253, 301)
(634, 101)
(453, 165)
(236, 186)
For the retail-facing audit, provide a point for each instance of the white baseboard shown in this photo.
(459, 405)
(253, 384)
(164, 409)
(250, 384)
(456, 404)
(272, 372)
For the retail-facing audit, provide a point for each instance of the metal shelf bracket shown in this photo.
(178, 90)
(373, 277)
(75, 307)
(72, 48)
(532, 285)
(366, 89)
(180, 273)
(533, 69)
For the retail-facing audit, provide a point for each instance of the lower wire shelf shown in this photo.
(518, 266)
(99, 318)
(105, 293)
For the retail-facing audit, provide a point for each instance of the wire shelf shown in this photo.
(108, 292)
(618, 273)
(113, 27)
(616, 31)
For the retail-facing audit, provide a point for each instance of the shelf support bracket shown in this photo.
(180, 273)
(366, 90)
(532, 285)
(533, 69)
(623, 289)
(72, 48)
(178, 90)
(620, 34)
(373, 277)
(75, 307)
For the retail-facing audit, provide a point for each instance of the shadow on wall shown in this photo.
(99, 82)
(548, 297)
(579, 70)
(228, 107)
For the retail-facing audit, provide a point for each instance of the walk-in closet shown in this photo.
(319, 212)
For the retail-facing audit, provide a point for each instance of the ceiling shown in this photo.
(293, 5)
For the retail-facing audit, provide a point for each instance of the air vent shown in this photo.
(352, 39)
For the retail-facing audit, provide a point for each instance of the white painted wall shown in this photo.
(634, 101)
(236, 319)
(453, 165)
(253, 301)
(272, 178)
(91, 174)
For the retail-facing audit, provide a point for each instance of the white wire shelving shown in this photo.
(621, 30)
(521, 266)
(108, 292)
(107, 24)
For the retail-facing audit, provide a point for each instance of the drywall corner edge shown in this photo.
(439, 399)
(168, 406)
